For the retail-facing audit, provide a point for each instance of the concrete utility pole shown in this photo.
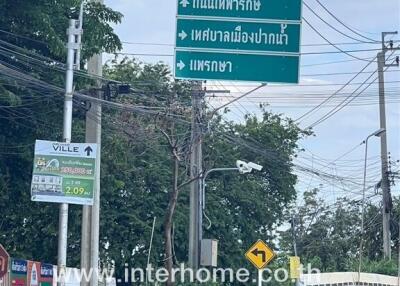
(398, 263)
(91, 215)
(73, 32)
(384, 150)
(196, 169)
(93, 135)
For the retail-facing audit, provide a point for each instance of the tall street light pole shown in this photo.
(241, 167)
(74, 36)
(377, 133)
(67, 130)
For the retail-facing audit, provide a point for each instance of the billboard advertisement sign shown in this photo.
(64, 172)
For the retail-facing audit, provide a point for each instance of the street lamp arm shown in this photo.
(377, 133)
(203, 182)
(218, 170)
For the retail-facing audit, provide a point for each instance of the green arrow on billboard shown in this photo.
(252, 9)
(236, 35)
(199, 65)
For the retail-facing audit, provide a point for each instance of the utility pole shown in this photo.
(196, 169)
(398, 263)
(384, 150)
(91, 215)
(93, 135)
(73, 45)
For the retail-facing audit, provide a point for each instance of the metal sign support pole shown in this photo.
(67, 130)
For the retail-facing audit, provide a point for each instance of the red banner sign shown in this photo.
(4, 258)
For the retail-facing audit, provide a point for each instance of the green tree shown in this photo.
(242, 208)
(328, 236)
(245, 208)
(41, 25)
(137, 177)
(30, 31)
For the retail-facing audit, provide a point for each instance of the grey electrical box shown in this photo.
(209, 252)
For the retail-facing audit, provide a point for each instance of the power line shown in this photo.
(341, 22)
(333, 45)
(303, 45)
(23, 37)
(332, 62)
(341, 73)
(335, 93)
(127, 107)
(343, 104)
(303, 54)
(328, 24)
(238, 98)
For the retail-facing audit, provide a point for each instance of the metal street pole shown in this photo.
(297, 281)
(150, 247)
(67, 131)
(243, 168)
(376, 133)
(196, 169)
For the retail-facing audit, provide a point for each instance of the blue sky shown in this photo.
(153, 21)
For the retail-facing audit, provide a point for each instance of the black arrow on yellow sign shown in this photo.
(260, 254)
(257, 252)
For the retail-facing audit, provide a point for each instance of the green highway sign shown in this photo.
(237, 35)
(202, 65)
(63, 172)
(289, 10)
(244, 40)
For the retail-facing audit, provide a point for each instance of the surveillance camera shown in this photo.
(243, 167)
(240, 164)
(255, 166)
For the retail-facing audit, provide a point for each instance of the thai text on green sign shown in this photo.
(231, 66)
(236, 35)
(289, 10)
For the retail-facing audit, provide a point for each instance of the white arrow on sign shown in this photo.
(182, 35)
(181, 65)
(184, 3)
